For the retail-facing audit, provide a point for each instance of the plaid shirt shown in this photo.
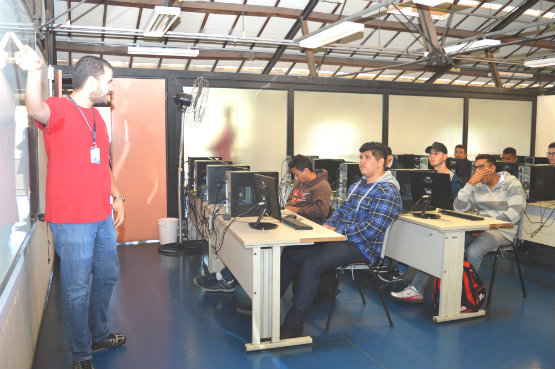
(366, 226)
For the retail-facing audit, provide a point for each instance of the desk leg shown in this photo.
(451, 282)
(266, 301)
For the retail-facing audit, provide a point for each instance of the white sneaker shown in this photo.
(409, 294)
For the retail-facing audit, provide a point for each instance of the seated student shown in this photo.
(495, 195)
(509, 155)
(371, 206)
(437, 156)
(310, 197)
(392, 162)
(551, 153)
(460, 152)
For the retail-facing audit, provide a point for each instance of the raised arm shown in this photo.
(29, 61)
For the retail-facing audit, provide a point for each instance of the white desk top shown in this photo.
(282, 235)
(449, 223)
(542, 204)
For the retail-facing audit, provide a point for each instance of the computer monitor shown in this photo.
(512, 168)
(266, 190)
(332, 167)
(436, 185)
(200, 172)
(542, 182)
(215, 180)
(461, 167)
(406, 161)
(403, 176)
(537, 160)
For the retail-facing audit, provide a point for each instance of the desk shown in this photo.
(254, 258)
(436, 246)
(535, 213)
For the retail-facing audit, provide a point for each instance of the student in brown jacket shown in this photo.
(311, 194)
(310, 198)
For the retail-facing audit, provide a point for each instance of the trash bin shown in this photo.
(167, 229)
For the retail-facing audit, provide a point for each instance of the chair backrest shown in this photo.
(385, 238)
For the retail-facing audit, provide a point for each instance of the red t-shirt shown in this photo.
(77, 190)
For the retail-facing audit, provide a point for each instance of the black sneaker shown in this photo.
(393, 275)
(211, 284)
(85, 364)
(285, 332)
(381, 267)
(112, 341)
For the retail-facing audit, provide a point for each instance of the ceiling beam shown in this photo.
(280, 12)
(493, 70)
(291, 58)
(505, 21)
(292, 32)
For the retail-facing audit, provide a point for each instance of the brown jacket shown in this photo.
(312, 198)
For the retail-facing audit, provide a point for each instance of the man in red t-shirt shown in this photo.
(79, 183)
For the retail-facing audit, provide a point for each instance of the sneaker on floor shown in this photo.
(112, 341)
(85, 364)
(381, 267)
(409, 294)
(211, 284)
(285, 332)
(393, 275)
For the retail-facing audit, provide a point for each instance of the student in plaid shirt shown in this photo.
(372, 204)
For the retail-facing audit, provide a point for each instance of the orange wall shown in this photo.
(139, 154)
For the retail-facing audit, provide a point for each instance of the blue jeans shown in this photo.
(89, 269)
(309, 263)
(475, 249)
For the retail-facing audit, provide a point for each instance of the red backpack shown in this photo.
(473, 291)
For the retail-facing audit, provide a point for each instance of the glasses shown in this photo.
(551, 153)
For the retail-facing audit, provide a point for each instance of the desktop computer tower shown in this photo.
(199, 179)
(349, 173)
(240, 194)
(421, 162)
(215, 181)
(524, 177)
(190, 175)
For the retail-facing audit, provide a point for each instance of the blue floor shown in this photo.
(171, 323)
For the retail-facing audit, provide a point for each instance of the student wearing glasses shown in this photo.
(551, 153)
(495, 195)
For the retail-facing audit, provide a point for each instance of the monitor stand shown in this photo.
(262, 226)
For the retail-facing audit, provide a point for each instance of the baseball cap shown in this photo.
(437, 146)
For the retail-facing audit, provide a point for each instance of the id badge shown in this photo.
(95, 155)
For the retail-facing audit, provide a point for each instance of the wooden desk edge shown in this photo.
(504, 225)
(323, 239)
(282, 343)
(441, 319)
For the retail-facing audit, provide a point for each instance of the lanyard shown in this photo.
(93, 133)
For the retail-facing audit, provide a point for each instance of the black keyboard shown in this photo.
(295, 224)
(460, 215)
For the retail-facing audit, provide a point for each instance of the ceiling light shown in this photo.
(161, 20)
(413, 12)
(431, 2)
(537, 63)
(329, 35)
(472, 45)
(164, 51)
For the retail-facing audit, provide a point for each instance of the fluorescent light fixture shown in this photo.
(473, 45)
(330, 35)
(513, 75)
(161, 20)
(413, 12)
(537, 63)
(431, 3)
(168, 51)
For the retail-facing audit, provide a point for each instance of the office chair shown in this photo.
(373, 276)
(501, 250)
